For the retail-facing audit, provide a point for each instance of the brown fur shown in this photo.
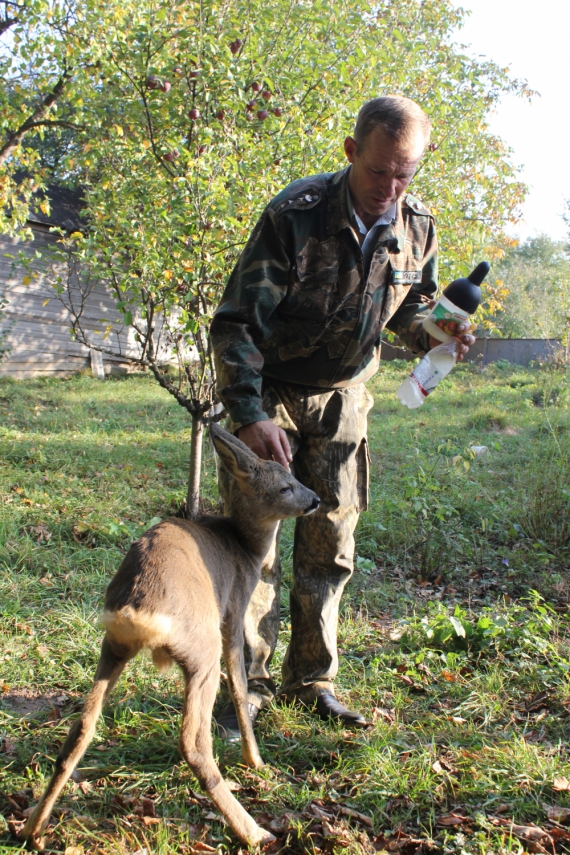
(182, 591)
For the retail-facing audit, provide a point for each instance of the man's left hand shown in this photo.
(465, 341)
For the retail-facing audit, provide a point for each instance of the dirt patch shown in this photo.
(506, 431)
(24, 702)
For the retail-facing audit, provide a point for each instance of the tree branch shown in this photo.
(8, 22)
(15, 138)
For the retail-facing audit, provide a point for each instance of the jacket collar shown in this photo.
(338, 216)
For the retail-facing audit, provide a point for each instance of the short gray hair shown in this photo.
(400, 118)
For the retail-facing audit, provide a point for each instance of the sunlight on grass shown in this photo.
(461, 670)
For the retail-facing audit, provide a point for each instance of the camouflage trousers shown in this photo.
(327, 433)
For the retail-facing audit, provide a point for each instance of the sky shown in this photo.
(531, 38)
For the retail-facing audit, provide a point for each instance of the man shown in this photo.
(333, 259)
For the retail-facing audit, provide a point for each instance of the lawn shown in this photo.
(454, 635)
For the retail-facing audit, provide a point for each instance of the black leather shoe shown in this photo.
(227, 722)
(328, 707)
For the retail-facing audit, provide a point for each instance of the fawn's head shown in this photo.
(271, 493)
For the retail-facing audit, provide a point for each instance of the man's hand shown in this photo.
(267, 441)
(465, 341)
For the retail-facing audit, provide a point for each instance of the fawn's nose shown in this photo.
(313, 506)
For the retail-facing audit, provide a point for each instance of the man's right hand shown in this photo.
(267, 441)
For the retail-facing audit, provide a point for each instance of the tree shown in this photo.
(536, 278)
(186, 117)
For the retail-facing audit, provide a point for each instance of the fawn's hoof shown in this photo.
(253, 761)
(33, 841)
(261, 837)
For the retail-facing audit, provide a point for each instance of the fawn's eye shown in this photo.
(285, 490)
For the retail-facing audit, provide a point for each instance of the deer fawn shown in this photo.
(182, 591)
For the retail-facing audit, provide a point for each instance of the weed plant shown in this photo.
(453, 633)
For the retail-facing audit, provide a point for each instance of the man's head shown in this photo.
(390, 137)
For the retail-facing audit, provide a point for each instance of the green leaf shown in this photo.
(457, 626)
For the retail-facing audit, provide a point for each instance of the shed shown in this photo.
(36, 326)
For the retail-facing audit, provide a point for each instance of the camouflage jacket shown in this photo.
(297, 308)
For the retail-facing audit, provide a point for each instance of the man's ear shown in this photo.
(236, 457)
(350, 149)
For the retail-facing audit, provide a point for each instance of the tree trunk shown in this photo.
(193, 497)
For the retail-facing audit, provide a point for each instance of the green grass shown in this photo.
(462, 671)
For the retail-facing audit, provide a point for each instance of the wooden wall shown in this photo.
(37, 323)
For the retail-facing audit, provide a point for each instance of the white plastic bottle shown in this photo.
(435, 365)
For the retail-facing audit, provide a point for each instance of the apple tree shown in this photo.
(182, 119)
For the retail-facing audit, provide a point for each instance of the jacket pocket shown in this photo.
(406, 273)
(313, 281)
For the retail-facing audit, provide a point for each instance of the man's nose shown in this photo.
(387, 187)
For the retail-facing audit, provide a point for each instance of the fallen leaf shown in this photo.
(319, 812)
(379, 712)
(536, 838)
(354, 814)
(74, 850)
(151, 820)
(447, 675)
(451, 819)
(401, 843)
(537, 702)
(148, 807)
(557, 832)
(277, 824)
(119, 802)
(336, 833)
(423, 667)
(15, 826)
(8, 745)
(43, 534)
(561, 784)
(20, 800)
(555, 813)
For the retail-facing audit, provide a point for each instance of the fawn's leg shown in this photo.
(196, 747)
(111, 664)
(237, 678)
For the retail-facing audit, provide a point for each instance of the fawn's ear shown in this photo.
(236, 457)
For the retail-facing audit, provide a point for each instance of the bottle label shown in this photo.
(425, 376)
(447, 316)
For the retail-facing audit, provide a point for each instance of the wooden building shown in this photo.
(36, 325)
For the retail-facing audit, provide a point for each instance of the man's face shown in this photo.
(381, 172)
